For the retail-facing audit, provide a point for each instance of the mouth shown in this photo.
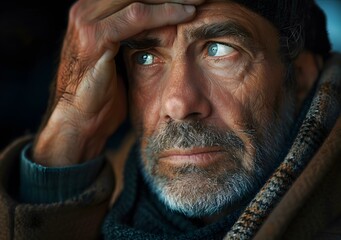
(202, 156)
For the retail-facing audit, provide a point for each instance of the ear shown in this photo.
(307, 68)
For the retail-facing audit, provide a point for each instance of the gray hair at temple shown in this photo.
(301, 24)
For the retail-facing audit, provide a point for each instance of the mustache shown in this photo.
(190, 134)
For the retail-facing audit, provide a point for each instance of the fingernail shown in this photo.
(189, 9)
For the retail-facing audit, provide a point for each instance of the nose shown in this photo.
(185, 94)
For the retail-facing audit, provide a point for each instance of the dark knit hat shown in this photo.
(301, 23)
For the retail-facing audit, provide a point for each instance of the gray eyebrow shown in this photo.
(143, 43)
(214, 30)
(222, 29)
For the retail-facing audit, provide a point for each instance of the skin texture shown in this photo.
(239, 93)
(89, 101)
(207, 97)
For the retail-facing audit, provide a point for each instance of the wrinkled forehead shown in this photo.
(222, 11)
(221, 14)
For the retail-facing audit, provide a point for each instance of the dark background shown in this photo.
(30, 42)
(31, 38)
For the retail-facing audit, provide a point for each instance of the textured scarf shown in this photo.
(319, 120)
(138, 214)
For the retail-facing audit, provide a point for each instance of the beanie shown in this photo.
(301, 24)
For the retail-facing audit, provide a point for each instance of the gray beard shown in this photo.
(203, 191)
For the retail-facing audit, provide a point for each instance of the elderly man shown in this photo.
(234, 109)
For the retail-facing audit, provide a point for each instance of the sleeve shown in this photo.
(40, 184)
(78, 217)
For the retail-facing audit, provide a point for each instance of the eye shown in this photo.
(218, 49)
(144, 58)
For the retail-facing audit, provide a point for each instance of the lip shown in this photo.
(194, 156)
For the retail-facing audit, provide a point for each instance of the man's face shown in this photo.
(210, 106)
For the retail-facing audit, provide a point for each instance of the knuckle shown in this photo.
(74, 11)
(66, 98)
(169, 9)
(137, 12)
(78, 15)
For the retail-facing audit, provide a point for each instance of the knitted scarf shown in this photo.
(138, 214)
(319, 120)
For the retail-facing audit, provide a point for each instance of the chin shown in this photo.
(199, 192)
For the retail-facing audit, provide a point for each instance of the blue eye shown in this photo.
(145, 58)
(218, 49)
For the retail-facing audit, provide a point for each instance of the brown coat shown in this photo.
(311, 208)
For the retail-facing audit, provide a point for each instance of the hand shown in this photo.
(89, 102)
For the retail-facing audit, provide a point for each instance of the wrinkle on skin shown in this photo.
(167, 29)
(240, 92)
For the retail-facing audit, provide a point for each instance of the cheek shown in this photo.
(228, 108)
(249, 99)
(144, 108)
(230, 94)
(267, 102)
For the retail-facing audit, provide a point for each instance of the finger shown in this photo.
(102, 93)
(138, 17)
(97, 84)
(101, 9)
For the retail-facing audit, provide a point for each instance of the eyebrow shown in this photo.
(143, 43)
(222, 29)
(215, 30)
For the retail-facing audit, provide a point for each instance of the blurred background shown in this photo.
(31, 38)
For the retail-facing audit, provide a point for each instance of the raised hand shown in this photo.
(89, 102)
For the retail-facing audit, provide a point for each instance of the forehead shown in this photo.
(213, 11)
(257, 28)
